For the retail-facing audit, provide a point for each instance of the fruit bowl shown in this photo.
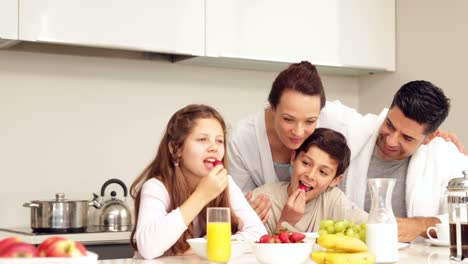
(238, 248)
(90, 258)
(291, 253)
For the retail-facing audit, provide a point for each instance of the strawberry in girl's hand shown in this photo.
(217, 162)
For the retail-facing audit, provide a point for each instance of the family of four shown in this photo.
(300, 160)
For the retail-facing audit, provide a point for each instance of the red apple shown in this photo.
(4, 243)
(66, 248)
(19, 250)
(46, 243)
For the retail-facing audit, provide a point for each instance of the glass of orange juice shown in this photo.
(218, 234)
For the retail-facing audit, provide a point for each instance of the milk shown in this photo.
(382, 240)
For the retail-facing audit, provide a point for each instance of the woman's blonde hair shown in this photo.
(164, 168)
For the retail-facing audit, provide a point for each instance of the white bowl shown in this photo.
(291, 253)
(238, 248)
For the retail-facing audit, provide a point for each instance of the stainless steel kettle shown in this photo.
(114, 214)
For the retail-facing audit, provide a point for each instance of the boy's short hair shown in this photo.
(333, 143)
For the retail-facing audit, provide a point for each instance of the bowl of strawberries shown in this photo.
(283, 247)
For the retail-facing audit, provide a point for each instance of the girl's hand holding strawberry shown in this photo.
(214, 183)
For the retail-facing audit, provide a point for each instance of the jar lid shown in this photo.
(459, 184)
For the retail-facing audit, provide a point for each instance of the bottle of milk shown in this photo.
(382, 230)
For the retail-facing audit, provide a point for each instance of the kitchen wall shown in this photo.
(431, 45)
(71, 118)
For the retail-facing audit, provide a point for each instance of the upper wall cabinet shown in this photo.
(8, 22)
(169, 26)
(358, 34)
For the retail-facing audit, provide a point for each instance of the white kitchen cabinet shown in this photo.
(358, 34)
(167, 26)
(367, 34)
(8, 22)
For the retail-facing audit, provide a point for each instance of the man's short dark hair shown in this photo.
(333, 143)
(424, 103)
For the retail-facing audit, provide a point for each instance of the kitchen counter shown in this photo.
(85, 238)
(417, 252)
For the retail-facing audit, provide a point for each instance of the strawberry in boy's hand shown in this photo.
(217, 162)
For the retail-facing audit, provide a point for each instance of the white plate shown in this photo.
(402, 245)
(437, 243)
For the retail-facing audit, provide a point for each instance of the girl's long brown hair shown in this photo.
(162, 168)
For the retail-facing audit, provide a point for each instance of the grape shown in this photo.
(340, 233)
(340, 226)
(343, 227)
(322, 232)
(325, 223)
(362, 235)
(350, 232)
(330, 229)
(357, 228)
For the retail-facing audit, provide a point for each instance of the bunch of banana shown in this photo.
(342, 250)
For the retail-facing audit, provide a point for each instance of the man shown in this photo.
(402, 143)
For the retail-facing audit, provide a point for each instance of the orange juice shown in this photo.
(218, 241)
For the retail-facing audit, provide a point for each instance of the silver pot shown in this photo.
(59, 215)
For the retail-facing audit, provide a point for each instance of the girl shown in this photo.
(173, 192)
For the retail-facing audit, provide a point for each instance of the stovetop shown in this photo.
(29, 231)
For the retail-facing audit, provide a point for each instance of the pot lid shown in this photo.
(459, 184)
(59, 198)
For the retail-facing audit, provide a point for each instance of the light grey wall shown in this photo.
(432, 43)
(71, 118)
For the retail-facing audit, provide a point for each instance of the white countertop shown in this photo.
(416, 252)
(85, 238)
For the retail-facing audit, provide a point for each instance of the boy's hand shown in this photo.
(261, 205)
(214, 184)
(294, 208)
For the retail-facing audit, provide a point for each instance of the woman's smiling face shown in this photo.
(313, 171)
(295, 117)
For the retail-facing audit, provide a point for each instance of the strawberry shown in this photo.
(296, 237)
(264, 239)
(276, 239)
(217, 162)
(284, 237)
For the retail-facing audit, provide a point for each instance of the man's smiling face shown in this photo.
(400, 137)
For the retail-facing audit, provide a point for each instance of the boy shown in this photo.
(318, 166)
